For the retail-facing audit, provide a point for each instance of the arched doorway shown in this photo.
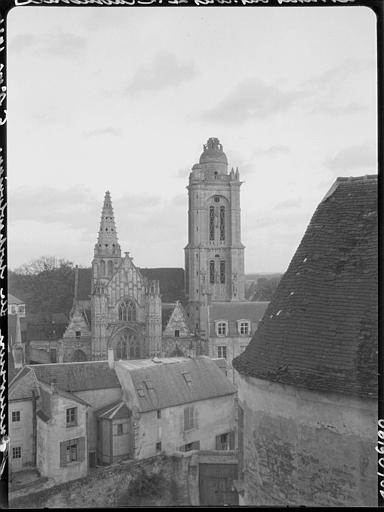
(79, 356)
(127, 345)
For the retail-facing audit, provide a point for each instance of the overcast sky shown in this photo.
(122, 99)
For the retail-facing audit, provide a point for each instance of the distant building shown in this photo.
(125, 305)
(214, 255)
(178, 338)
(16, 306)
(231, 327)
(307, 382)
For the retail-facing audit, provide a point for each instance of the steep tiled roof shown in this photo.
(233, 311)
(166, 312)
(78, 376)
(320, 330)
(174, 381)
(22, 386)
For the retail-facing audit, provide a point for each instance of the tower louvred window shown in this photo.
(222, 271)
(211, 271)
(222, 223)
(211, 223)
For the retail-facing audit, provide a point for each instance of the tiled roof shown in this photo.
(14, 300)
(22, 386)
(320, 330)
(233, 311)
(78, 376)
(174, 381)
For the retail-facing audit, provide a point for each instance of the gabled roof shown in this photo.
(116, 411)
(81, 376)
(23, 385)
(320, 330)
(174, 381)
(233, 311)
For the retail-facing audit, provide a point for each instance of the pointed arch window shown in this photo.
(128, 346)
(127, 311)
(110, 267)
(211, 271)
(102, 268)
(122, 349)
(222, 223)
(211, 223)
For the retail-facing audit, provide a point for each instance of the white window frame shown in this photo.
(218, 328)
(239, 326)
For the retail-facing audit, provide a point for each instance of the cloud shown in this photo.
(253, 99)
(340, 110)
(56, 44)
(339, 73)
(108, 130)
(354, 157)
(164, 71)
(277, 149)
(289, 203)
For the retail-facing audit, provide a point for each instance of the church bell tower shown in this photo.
(214, 255)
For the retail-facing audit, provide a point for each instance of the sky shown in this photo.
(123, 99)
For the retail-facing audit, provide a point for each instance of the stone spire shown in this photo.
(107, 243)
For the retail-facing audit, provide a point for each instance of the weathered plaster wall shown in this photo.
(306, 448)
(215, 416)
(21, 433)
(54, 431)
(235, 346)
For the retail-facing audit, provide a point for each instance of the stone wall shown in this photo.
(307, 448)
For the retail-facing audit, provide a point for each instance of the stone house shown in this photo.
(61, 434)
(231, 327)
(307, 382)
(178, 339)
(176, 404)
(93, 382)
(23, 393)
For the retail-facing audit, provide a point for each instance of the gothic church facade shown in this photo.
(125, 305)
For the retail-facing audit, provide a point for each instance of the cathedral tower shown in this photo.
(214, 255)
(107, 252)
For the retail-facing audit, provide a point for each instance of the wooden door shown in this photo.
(216, 484)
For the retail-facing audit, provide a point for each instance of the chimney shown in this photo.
(111, 358)
(53, 386)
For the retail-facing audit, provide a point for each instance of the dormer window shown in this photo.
(221, 328)
(244, 327)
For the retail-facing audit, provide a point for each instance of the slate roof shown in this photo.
(81, 376)
(22, 385)
(162, 384)
(166, 313)
(233, 311)
(320, 330)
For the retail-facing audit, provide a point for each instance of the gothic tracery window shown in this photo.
(110, 267)
(102, 268)
(127, 311)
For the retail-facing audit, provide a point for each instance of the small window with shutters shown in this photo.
(190, 418)
(72, 451)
